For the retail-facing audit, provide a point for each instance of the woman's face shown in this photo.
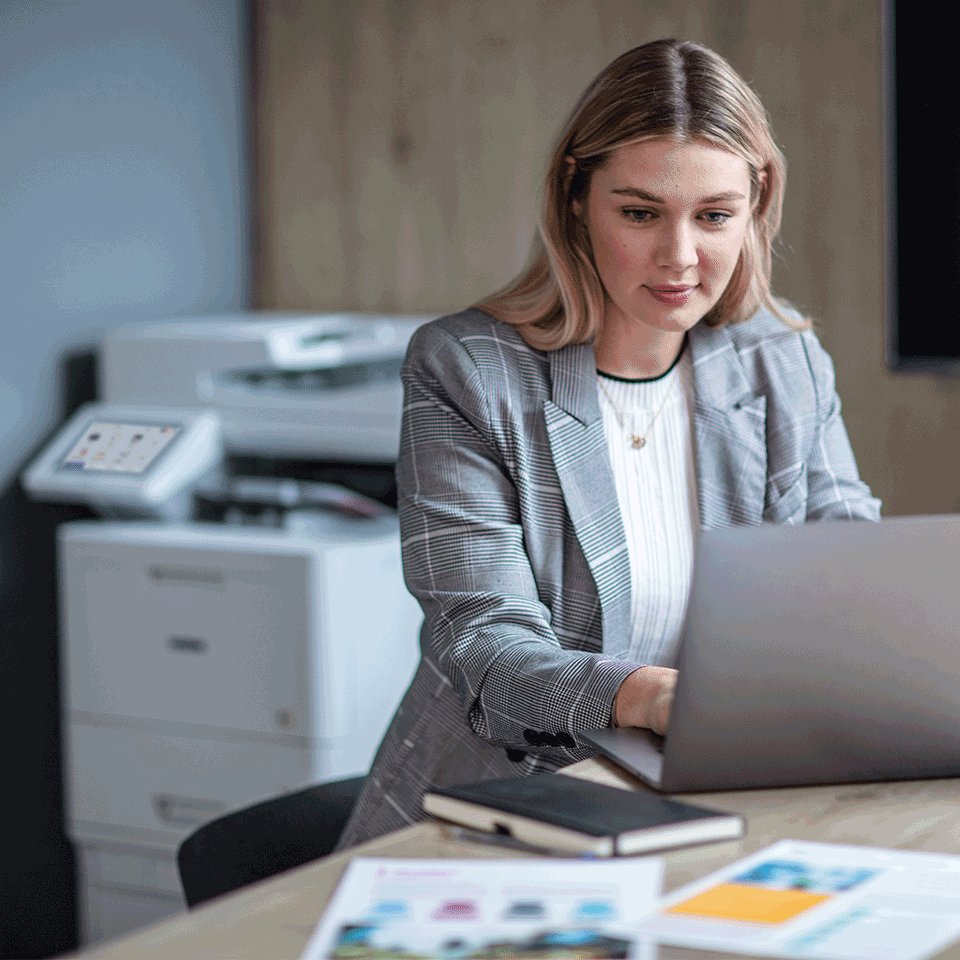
(667, 223)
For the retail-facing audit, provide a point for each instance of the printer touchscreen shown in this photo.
(113, 447)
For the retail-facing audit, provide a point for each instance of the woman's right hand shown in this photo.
(645, 699)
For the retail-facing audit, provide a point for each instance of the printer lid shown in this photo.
(286, 341)
(321, 386)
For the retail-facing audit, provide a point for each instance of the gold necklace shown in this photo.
(636, 441)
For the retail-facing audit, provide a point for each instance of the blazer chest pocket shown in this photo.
(788, 503)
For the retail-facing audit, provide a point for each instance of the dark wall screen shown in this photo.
(922, 202)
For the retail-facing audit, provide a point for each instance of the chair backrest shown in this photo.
(267, 838)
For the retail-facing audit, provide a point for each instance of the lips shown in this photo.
(671, 294)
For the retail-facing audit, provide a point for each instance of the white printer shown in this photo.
(226, 636)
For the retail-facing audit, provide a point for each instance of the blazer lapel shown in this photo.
(579, 448)
(729, 433)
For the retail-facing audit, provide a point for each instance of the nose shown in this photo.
(677, 246)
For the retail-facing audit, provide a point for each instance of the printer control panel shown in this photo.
(111, 446)
(128, 460)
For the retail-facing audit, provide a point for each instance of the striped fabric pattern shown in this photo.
(513, 541)
(657, 490)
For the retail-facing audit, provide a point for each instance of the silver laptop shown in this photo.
(826, 653)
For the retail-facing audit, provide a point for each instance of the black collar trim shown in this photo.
(611, 376)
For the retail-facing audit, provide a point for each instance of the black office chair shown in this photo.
(267, 838)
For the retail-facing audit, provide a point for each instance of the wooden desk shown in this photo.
(276, 918)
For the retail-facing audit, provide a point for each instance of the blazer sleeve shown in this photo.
(834, 488)
(464, 560)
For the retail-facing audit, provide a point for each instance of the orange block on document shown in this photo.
(746, 904)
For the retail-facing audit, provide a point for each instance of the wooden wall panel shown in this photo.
(402, 143)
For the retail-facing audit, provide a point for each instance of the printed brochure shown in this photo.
(480, 909)
(819, 900)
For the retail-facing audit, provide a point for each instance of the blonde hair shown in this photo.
(662, 90)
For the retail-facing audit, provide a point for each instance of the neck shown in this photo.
(636, 360)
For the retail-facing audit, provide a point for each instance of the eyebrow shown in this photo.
(652, 198)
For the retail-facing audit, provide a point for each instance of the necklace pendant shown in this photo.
(637, 442)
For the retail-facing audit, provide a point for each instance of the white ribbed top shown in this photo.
(657, 489)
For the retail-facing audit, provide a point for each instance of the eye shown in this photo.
(717, 218)
(638, 215)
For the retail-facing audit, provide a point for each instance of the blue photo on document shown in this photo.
(809, 877)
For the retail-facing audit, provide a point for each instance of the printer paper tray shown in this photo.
(141, 781)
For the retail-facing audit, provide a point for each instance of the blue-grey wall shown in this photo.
(122, 193)
(123, 196)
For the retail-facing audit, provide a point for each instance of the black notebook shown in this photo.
(571, 815)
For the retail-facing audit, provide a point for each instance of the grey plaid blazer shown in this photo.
(514, 546)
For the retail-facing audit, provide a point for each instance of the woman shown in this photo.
(563, 440)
